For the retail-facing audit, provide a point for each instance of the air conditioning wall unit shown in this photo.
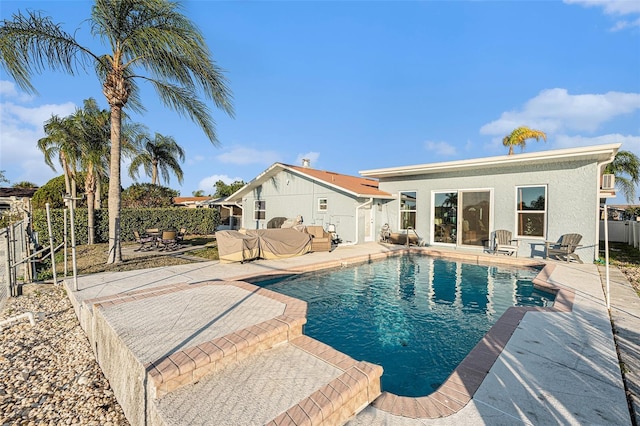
(608, 182)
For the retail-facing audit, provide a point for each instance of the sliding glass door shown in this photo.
(461, 217)
(474, 212)
(445, 217)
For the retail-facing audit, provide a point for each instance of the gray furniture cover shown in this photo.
(234, 246)
(237, 246)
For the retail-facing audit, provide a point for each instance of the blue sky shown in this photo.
(366, 84)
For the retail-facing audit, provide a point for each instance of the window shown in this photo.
(408, 210)
(531, 210)
(322, 204)
(259, 210)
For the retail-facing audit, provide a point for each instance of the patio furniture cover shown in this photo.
(281, 243)
(234, 246)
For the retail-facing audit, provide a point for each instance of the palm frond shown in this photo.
(32, 43)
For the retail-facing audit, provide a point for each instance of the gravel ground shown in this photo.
(48, 372)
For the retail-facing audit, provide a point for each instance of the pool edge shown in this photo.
(459, 388)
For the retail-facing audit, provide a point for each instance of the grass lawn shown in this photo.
(627, 259)
(92, 259)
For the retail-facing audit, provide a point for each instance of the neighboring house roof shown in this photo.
(598, 153)
(17, 192)
(353, 185)
(190, 200)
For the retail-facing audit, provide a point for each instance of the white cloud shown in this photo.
(555, 110)
(311, 156)
(21, 126)
(196, 159)
(245, 156)
(616, 8)
(622, 25)
(208, 184)
(443, 149)
(9, 90)
(611, 7)
(629, 142)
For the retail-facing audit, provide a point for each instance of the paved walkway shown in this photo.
(625, 315)
(557, 367)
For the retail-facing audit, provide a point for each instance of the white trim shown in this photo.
(598, 153)
(545, 225)
(278, 167)
(415, 191)
(432, 233)
(256, 209)
(326, 204)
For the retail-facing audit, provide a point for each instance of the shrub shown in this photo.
(196, 221)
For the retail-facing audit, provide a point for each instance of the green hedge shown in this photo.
(196, 221)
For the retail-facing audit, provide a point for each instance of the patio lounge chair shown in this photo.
(565, 248)
(181, 233)
(169, 241)
(504, 244)
(320, 239)
(146, 241)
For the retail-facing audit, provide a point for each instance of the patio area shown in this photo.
(557, 367)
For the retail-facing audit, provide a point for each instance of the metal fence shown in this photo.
(14, 245)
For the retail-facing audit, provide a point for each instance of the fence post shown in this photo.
(52, 247)
(8, 263)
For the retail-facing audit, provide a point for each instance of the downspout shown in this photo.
(606, 234)
(368, 203)
(242, 210)
(601, 167)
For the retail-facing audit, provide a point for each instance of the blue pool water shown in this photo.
(416, 316)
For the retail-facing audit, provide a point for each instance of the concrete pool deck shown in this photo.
(191, 344)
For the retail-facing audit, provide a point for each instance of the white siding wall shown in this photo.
(572, 200)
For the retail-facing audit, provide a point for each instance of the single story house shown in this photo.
(537, 196)
(230, 213)
(344, 204)
(16, 200)
(190, 202)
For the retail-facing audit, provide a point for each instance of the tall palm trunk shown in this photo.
(67, 177)
(154, 172)
(89, 189)
(115, 248)
(98, 197)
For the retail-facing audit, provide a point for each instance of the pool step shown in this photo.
(299, 382)
(222, 352)
(189, 365)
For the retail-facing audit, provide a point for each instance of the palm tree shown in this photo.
(519, 137)
(149, 41)
(94, 146)
(158, 154)
(62, 141)
(626, 168)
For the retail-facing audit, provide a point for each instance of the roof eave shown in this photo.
(599, 153)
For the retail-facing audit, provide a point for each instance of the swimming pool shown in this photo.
(415, 315)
